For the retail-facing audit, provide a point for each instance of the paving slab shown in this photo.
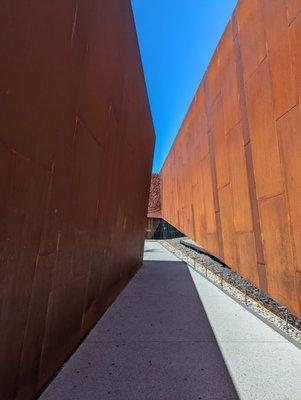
(154, 251)
(144, 370)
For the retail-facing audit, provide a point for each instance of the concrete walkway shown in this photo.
(156, 342)
(153, 343)
(262, 363)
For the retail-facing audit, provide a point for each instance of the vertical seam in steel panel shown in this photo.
(213, 171)
(248, 157)
(193, 222)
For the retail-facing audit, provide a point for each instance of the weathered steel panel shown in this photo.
(229, 84)
(251, 35)
(247, 259)
(293, 8)
(213, 79)
(295, 39)
(200, 124)
(219, 144)
(227, 227)
(263, 133)
(278, 251)
(208, 200)
(280, 60)
(236, 161)
(289, 128)
(74, 115)
(239, 180)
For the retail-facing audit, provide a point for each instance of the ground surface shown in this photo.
(234, 284)
(158, 341)
(154, 342)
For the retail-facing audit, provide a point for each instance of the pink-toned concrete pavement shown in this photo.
(153, 343)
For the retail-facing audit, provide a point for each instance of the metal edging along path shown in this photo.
(241, 303)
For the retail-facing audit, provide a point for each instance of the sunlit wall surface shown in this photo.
(232, 180)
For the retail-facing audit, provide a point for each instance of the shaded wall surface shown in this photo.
(76, 142)
(232, 180)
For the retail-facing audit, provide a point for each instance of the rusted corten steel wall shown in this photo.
(232, 180)
(154, 201)
(76, 143)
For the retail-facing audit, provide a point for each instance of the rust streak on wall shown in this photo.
(236, 162)
(76, 143)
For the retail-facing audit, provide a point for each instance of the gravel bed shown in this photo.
(238, 287)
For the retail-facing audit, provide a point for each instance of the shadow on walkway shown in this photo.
(153, 343)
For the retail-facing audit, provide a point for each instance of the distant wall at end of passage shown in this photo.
(154, 201)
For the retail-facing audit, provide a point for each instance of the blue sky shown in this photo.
(177, 39)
